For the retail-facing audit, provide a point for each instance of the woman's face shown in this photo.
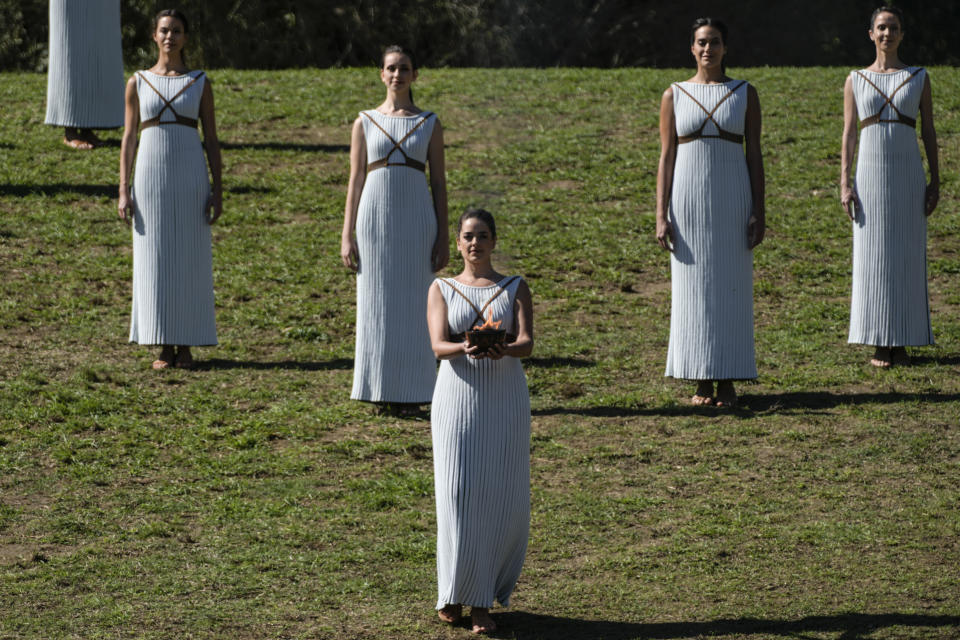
(475, 241)
(170, 35)
(886, 32)
(708, 48)
(397, 72)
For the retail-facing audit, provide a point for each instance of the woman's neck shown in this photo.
(398, 102)
(713, 75)
(480, 272)
(169, 64)
(887, 61)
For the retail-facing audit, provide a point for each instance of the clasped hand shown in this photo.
(494, 352)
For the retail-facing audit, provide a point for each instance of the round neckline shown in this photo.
(887, 73)
(708, 84)
(388, 116)
(489, 286)
(179, 75)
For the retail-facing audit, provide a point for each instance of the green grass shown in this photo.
(252, 499)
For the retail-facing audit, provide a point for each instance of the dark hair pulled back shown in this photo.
(885, 9)
(178, 15)
(482, 215)
(396, 48)
(719, 25)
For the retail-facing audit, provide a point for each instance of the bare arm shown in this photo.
(848, 148)
(438, 188)
(929, 136)
(439, 330)
(128, 148)
(210, 142)
(523, 312)
(757, 225)
(358, 175)
(668, 159)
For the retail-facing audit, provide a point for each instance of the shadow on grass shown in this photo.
(556, 363)
(96, 190)
(220, 364)
(850, 626)
(917, 360)
(805, 402)
(287, 146)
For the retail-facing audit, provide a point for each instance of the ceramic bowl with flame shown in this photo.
(485, 338)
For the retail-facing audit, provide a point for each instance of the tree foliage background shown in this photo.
(500, 33)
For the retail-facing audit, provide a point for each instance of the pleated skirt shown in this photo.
(711, 314)
(890, 305)
(172, 254)
(85, 76)
(396, 229)
(481, 446)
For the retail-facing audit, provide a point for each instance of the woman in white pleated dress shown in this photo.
(172, 203)
(85, 74)
(710, 216)
(480, 421)
(395, 237)
(891, 198)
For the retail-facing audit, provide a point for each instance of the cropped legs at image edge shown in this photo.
(85, 76)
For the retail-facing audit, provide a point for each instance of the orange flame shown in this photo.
(489, 324)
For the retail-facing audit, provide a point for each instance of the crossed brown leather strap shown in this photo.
(721, 133)
(407, 160)
(168, 104)
(888, 100)
(460, 337)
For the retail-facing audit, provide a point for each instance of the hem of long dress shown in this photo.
(894, 343)
(697, 379)
(382, 401)
(486, 605)
(86, 126)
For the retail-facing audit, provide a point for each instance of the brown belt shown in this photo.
(902, 119)
(408, 162)
(723, 135)
(153, 122)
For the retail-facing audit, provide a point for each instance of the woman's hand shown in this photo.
(756, 228)
(349, 253)
(932, 198)
(664, 233)
(849, 201)
(493, 352)
(214, 206)
(125, 206)
(440, 256)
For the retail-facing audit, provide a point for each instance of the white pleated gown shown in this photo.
(396, 229)
(481, 457)
(85, 75)
(172, 254)
(711, 316)
(889, 306)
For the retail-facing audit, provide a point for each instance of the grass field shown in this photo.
(251, 498)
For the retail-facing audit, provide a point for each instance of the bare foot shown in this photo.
(90, 137)
(451, 613)
(165, 359)
(881, 358)
(726, 394)
(184, 359)
(73, 139)
(899, 356)
(482, 622)
(704, 394)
